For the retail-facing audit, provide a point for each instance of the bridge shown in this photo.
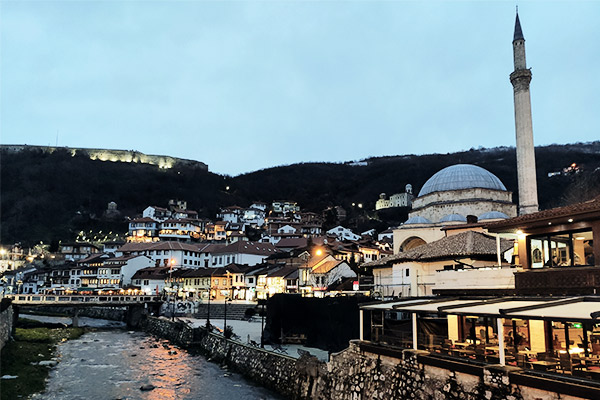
(82, 300)
(136, 305)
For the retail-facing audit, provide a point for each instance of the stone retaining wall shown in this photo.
(363, 371)
(6, 324)
(110, 313)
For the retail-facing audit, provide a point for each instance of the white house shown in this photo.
(320, 273)
(156, 213)
(117, 271)
(231, 214)
(151, 281)
(241, 252)
(174, 254)
(465, 262)
(180, 229)
(342, 233)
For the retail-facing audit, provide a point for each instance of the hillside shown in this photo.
(51, 197)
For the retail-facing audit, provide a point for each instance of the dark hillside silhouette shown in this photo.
(50, 197)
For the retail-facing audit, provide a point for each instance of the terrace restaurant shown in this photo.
(543, 335)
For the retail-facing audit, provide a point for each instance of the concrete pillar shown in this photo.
(501, 341)
(361, 322)
(75, 318)
(414, 331)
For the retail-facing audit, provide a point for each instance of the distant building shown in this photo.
(396, 200)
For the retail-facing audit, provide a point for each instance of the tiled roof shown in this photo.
(326, 266)
(590, 206)
(152, 273)
(292, 242)
(144, 219)
(166, 245)
(284, 272)
(96, 257)
(465, 244)
(244, 247)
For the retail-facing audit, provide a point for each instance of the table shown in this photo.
(543, 365)
(461, 345)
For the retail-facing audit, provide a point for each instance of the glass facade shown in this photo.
(562, 249)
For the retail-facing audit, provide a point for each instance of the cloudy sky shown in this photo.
(245, 85)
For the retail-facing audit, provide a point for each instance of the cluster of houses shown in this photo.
(316, 266)
(282, 220)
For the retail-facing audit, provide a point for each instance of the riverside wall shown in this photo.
(364, 371)
(110, 313)
(7, 321)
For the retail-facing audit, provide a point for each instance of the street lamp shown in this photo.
(225, 318)
(208, 308)
(171, 265)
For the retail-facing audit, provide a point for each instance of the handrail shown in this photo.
(38, 298)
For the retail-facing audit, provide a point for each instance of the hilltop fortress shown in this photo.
(128, 156)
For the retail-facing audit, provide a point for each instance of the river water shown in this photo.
(115, 364)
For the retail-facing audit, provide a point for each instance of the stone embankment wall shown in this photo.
(7, 320)
(364, 372)
(110, 313)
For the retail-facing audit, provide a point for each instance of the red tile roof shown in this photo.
(572, 211)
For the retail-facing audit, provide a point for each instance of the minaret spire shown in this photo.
(520, 79)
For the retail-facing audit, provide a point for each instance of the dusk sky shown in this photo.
(246, 85)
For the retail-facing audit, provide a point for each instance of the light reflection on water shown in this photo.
(109, 365)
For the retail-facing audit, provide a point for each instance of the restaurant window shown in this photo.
(562, 249)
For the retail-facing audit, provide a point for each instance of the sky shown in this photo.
(247, 85)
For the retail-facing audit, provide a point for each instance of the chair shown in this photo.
(565, 363)
(480, 353)
(522, 361)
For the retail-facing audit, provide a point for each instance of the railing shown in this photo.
(36, 298)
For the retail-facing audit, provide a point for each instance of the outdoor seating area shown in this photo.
(559, 336)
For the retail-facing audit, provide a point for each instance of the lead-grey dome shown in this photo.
(417, 220)
(461, 176)
(492, 215)
(453, 218)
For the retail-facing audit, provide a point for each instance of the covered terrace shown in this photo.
(546, 335)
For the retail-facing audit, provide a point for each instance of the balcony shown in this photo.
(558, 281)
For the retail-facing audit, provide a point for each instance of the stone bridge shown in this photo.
(134, 306)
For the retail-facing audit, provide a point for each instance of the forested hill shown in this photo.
(50, 197)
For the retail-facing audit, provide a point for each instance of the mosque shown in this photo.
(465, 197)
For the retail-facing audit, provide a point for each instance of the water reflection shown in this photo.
(116, 364)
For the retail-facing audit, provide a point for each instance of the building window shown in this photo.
(562, 249)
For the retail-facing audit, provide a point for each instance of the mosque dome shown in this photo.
(417, 220)
(461, 176)
(492, 215)
(453, 218)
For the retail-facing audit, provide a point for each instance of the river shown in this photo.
(114, 364)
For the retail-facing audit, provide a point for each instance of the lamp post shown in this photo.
(225, 317)
(171, 265)
(208, 308)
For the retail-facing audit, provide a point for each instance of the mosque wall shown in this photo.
(435, 212)
(461, 195)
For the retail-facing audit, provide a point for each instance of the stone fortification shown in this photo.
(113, 155)
(365, 371)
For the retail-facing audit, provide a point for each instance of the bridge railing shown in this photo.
(41, 298)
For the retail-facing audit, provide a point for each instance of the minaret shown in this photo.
(520, 78)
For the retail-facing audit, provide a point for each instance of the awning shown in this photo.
(433, 306)
(491, 308)
(578, 309)
(390, 305)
